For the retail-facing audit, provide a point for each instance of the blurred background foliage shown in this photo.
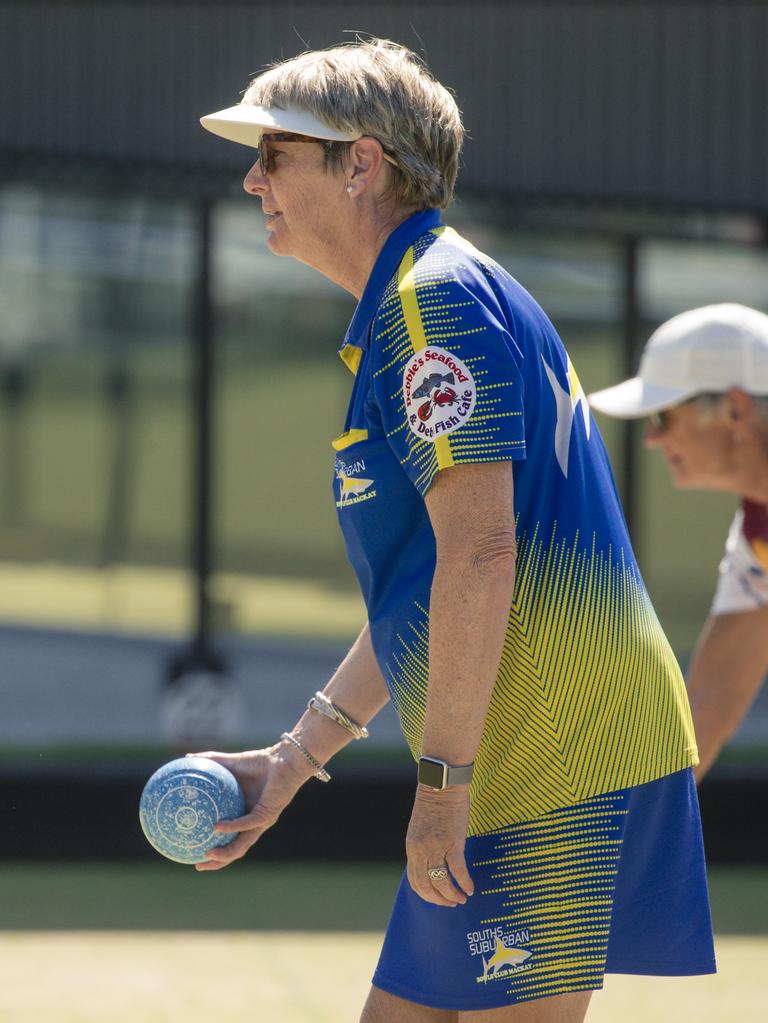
(597, 132)
(95, 408)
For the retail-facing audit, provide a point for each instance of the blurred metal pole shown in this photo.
(14, 384)
(119, 310)
(629, 468)
(202, 704)
(202, 405)
(120, 408)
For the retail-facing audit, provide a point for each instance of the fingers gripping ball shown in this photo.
(182, 802)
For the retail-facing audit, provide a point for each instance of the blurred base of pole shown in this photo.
(201, 703)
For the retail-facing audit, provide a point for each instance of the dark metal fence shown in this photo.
(632, 109)
(636, 102)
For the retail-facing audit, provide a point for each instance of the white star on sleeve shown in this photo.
(567, 402)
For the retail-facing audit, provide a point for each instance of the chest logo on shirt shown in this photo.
(439, 393)
(353, 487)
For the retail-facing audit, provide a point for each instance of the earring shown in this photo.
(349, 190)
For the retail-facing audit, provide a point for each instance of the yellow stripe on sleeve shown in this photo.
(406, 289)
(454, 238)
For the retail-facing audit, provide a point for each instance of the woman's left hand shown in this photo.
(436, 837)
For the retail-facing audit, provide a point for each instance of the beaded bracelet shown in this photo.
(320, 772)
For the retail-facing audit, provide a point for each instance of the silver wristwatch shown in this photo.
(436, 774)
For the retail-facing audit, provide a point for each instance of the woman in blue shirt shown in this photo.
(555, 831)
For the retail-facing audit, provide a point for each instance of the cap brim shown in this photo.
(246, 123)
(635, 398)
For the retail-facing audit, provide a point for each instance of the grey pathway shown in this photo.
(70, 688)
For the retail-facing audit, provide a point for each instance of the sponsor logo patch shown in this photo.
(438, 391)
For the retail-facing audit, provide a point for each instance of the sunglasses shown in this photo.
(264, 157)
(266, 161)
(659, 421)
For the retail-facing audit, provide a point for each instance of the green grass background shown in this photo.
(272, 501)
(85, 482)
(264, 896)
(158, 943)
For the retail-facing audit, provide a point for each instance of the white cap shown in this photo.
(702, 351)
(245, 123)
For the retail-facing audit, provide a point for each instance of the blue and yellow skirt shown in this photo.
(616, 884)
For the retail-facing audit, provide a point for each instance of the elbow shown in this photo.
(493, 557)
(480, 559)
(495, 551)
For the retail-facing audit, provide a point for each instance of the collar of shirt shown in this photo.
(386, 264)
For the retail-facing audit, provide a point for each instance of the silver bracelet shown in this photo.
(320, 772)
(323, 705)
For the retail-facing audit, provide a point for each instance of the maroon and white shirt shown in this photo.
(743, 580)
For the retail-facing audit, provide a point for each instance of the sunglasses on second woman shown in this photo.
(659, 421)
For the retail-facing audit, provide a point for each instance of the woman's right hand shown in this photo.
(269, 778)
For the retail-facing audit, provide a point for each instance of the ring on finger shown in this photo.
(438, 873)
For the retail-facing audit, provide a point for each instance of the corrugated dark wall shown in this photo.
(640, 102)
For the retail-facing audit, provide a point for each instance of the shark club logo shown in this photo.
(501, 954)
(438, 391)
(353, 486)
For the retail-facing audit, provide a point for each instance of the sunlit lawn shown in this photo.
(157, 943)
(299, 977)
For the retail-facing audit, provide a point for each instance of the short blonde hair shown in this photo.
(384, 90)
(711, 406)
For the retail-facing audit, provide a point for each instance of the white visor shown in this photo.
(246, 123)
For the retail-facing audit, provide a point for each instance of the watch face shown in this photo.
(431, 772)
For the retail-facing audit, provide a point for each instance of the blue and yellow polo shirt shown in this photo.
(455, 363)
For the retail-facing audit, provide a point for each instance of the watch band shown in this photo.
(437, 774)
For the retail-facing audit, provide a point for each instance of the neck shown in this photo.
(753, 474)
(349, 259)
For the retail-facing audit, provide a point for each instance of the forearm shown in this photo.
(357, 688)
(271, 777)
(471, 511)
(725, 675)
(469, 612)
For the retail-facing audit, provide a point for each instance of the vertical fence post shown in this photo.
(202, 384)
(630, 332)
(14, 384)
(201, 704)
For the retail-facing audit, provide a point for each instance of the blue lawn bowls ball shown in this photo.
(182, 801)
